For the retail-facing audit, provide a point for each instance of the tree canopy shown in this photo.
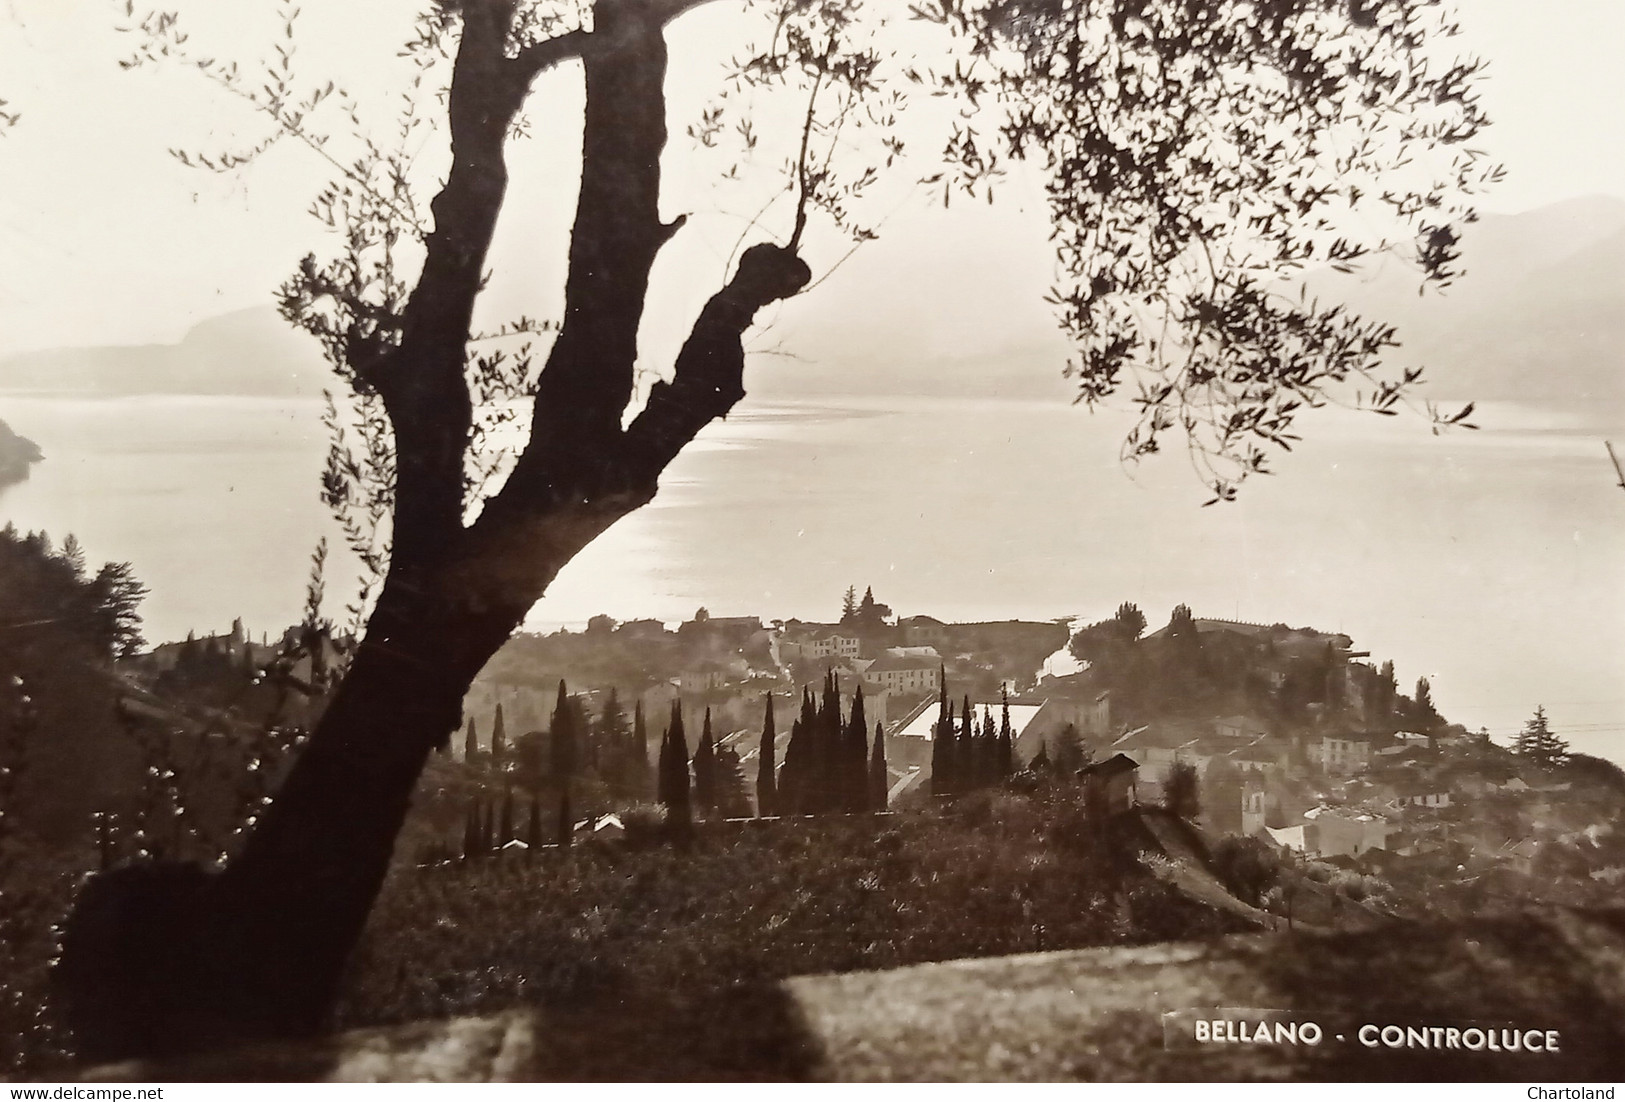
(1199, 158)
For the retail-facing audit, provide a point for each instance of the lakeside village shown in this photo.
(1289, 737)
(642, 808)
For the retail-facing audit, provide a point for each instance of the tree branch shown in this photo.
(709, 378)
(422, 384)
(536, 57)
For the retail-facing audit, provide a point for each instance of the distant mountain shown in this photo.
(1539, 314)
(249, 352)
(17, 455)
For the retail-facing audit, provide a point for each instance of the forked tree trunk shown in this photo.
(171, 957)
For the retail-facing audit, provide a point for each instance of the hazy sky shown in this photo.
(104, 238)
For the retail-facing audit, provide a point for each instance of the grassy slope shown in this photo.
(991, 875)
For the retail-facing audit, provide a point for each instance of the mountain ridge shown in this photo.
(1538, 316)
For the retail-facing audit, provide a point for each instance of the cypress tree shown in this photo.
(830, 738)
(942, 745)
(471, 830)
(989, 748)
(812, 779)
(705, 769)
(965, 749)
(732, 800)
(1006, 741)
(879, 779)
(471, 742)
(663, 785)
(812, 786)
(854, 755)
(639, 780)
(563, 746)
(766, 790)
(673, 779)
(791, 788)
(499, 738)
(613, 759)
(563, 739)
(505, 833)
(533, 833)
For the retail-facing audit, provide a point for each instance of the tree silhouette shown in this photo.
(673, 771)
(1129, 621)
(638, 779)
(767, 802)
(1194, 151)
(879, 778)
(705, 769)
(499, 738)
(1181, 791)
(1539, 744)
(1423, 713)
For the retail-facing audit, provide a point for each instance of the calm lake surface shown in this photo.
(1492, 562)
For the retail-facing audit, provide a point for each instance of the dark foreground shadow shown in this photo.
(746, 1034)
(1098, 1015)
(1089, 1015)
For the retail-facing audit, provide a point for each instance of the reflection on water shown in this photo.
(1491, 562)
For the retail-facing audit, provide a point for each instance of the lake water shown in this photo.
(1492, 562)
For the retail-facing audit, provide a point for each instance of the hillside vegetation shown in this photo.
(990, 874)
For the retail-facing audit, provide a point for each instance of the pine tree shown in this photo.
(1070, 755)
(1129, 621)
(74, 555)
(849, 605)
(705, 769)
(1387, 691)
(1040, 762)
(766, 789)
(499, 739)
(879, 779)
(1540, 745)
(1426, 716)
(1181, 791)
(1180, 622)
